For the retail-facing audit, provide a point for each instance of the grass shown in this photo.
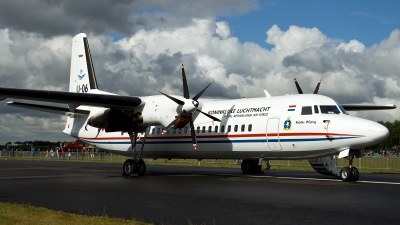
(24, 214)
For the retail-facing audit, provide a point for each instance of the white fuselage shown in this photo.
(270, 128)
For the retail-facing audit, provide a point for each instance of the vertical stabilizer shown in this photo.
(82, 75)
(82, 79)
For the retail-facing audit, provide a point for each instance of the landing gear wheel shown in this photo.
(141, 168)
(346, 174)
(250, 167)
(246, 166)
(128, 168)
(355, 174)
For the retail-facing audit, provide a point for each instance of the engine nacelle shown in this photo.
(115, 120)
(182, 121)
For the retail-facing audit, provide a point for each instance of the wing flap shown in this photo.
(76, 99)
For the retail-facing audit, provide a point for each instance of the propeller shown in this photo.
(188, 106)
(301, 91)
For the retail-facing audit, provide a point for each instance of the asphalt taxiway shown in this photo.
(200, 195)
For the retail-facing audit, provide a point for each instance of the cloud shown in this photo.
(69, 17)
(313, 60)
(150, 59)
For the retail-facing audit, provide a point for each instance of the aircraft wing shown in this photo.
(73, 99)
(64, 111)
(349, 107)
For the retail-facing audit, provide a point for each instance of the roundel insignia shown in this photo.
(287, 125)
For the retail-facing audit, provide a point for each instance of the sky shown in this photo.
(245, 46)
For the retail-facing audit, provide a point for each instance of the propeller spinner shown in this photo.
(188, 107)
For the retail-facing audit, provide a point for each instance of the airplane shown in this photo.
(300, 126)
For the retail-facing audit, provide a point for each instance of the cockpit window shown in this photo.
(306, 110)
(341, 108)
(329, 109)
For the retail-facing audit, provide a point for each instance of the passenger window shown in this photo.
(316, 110)
(153, 131)
(174, 130)
(250, 127)
(198, 129)
(222, 128)
(236, 128)
(306, 110)
(216, 129)
(185, 130)
(168, 131)
(204, 129)
(209, 129)
(243, 127)
(229, 128)
(180, 131)
(158, 130)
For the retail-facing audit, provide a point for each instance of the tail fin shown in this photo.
(82, 76)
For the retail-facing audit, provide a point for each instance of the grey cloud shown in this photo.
(314, 60)
(60, 17)
(380, 88)
(68, 17)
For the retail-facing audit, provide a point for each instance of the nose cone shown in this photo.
(377, 132)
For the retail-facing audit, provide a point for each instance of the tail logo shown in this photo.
(81, 76)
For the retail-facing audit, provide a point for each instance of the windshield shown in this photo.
(341, 108)
(329, 109)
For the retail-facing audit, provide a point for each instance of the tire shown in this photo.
(128, 167)
(355, 173)
(246, 166)
(250, 167)
(346, 174)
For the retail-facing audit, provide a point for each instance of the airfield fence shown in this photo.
(374, 162)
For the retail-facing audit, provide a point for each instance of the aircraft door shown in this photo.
(273, 134)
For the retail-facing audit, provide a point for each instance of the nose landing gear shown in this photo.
(351, 173)
(135, 165)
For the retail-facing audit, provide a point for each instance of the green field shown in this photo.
(11, 213)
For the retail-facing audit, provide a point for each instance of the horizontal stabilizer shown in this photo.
(76, 99)
(49, 109)
(349, 107)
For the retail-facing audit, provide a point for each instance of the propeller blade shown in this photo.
(201, 92)
(298, 86)
(179, 102)
(209, 116)
(194, 140)
(317, 87)
(185, 85)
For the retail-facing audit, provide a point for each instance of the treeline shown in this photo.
(25, 146)
(393, 141)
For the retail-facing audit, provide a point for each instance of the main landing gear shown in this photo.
(135, 165)
(249, 166)
(350, 173)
